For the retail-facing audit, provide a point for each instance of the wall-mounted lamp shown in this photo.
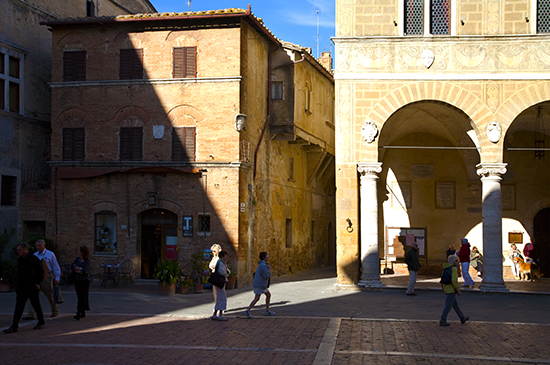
(349, 228)
(462, 22)
(395, 23)
(527, 19)
(240, 121)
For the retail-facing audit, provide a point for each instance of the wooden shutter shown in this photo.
(74, 144)
(183, 144)
(131, 143)
(74, 66)
(131, 64)
(184, 62)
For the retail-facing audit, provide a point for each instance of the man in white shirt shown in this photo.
(46, 286)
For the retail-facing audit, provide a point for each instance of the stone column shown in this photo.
(368, 196)
(492, 226)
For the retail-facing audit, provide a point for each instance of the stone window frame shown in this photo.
(427, 19)
(184, 62)
(12, 87)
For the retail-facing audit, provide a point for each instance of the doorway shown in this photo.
(541, 224)
(158, 239)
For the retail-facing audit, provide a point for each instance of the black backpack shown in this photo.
(447, 276)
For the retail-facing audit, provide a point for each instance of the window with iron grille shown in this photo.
(11, 80)
(184, 62)
(74, 142)
(131, 143)
(183, 144)
(8, 194)
(131, 64)
(439, 13)
(204, 224)
(543, 16)
(74, 66)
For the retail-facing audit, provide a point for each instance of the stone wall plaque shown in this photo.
(445, 195)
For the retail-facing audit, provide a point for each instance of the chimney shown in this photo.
(326, 60)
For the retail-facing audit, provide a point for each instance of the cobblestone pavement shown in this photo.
(314, 325)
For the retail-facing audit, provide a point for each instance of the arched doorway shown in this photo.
(158, 239)
(541, 225)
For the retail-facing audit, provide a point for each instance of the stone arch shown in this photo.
(101, 206)
(462, 99)
(532, 211)
(169, 205)
(185, 115)
(131, 116)
(124, 40)
(181, 39)
(519, 101)
(74, 40)
(72, 118)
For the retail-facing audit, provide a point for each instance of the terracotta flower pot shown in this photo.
(230, 282)
(169, 289)
(198, 288)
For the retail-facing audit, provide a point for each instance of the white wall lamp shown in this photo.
(240, 121)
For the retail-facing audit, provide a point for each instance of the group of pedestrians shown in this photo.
(40, 272)
(260, 284)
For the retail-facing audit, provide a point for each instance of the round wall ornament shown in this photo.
(494, 131)
(369, 131)
(427, 58)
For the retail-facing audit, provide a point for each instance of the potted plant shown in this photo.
(199, 271)
(167, 274)
(184, 285)
(231, 279)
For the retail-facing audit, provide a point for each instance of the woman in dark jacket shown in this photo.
(80, 268)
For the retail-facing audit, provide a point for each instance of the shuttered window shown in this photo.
(74, 66)
(74, 144)
(184, 62)
(131, 146)
(131, 64)
(183, 144)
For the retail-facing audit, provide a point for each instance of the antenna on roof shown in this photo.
(317, 45)
(189, 4)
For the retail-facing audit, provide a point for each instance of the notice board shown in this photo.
(399, 241)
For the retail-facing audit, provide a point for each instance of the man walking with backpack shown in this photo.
(449, 282)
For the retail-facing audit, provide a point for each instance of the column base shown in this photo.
(494, 288)
(370, 284)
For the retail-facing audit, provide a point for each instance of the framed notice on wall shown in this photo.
(399, 241)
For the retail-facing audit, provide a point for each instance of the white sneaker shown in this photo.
(248, 315)
(269, 313)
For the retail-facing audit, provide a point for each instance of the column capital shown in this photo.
(491, 169)
(369, 168)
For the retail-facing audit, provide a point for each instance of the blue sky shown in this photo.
(293, 21)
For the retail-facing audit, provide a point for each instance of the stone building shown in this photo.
(25, 71)
(172, 132)
(442, 121)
